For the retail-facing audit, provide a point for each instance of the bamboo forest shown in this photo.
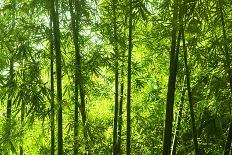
(121, 77)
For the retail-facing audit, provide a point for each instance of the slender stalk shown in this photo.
(120, 121)
(115, 148)
(11, 79)
(52, 89)
(128, 106)
(56, 31)
(9, 101)
(171, 85)
(22, 125)
(23, 106)
(75, 30)
(76, 144)
(194, 130)
(179, 116)
(78, 61)
(75, 19)
(8, 114)
(120, 114)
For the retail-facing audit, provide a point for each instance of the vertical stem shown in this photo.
(8, 114)
(128, 106)
(78, 62)
(22, 125)
(11, 80)
(115, 148)
(76, 145)
(179, 116)
(56, 31)
(52, 88)
(22, 111)
(121, 95)
(78, 72)
(9, 101)
(171, 85)
(75, 31)
(120, 114)
(190, 95)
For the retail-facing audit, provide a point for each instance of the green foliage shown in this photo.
(24, 42)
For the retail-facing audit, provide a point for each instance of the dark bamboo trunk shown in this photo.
(120, 120)
(194, 130)
(8, 113)
(56, 31)
(179, 117)
(52, 89)
(9, 101)
(81, 82)
(22, 117)
(75, 19)
(83, 114)
(22, 125)
(76, 144)
(171, 85)
(128, 105)
(115, 44)
(75, 31)
(120, 114)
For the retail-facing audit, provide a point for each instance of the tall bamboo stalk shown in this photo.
(56, 32)
(115, 135)
(194, 130)
(171, 84)
(178, 120)
(52, 88)
(128, 105)
(75, 31)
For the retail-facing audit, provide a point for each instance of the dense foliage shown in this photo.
(66, 72)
